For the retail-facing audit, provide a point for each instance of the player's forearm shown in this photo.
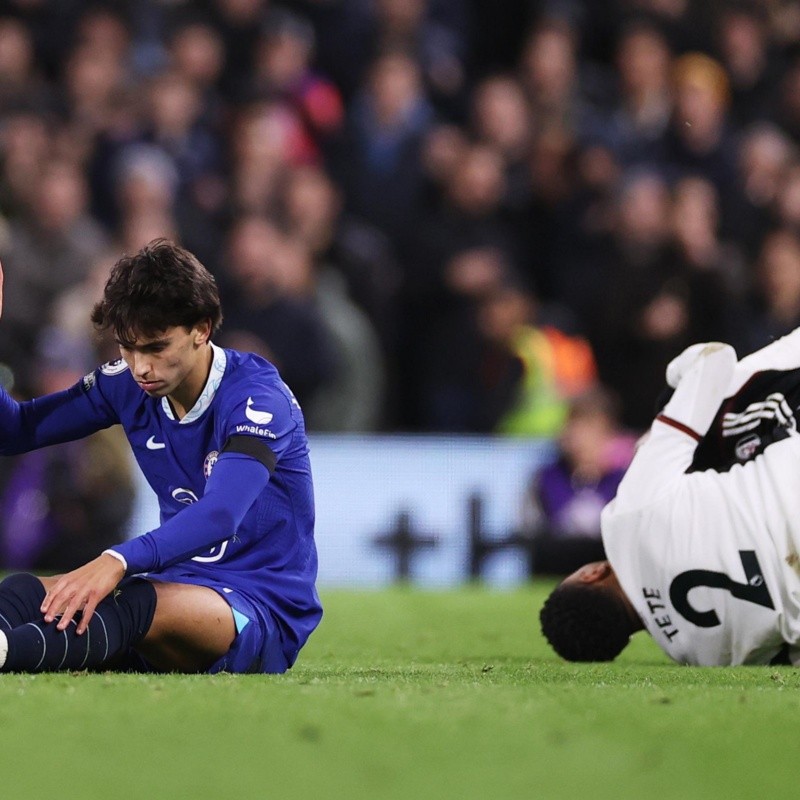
(695, 403)
(47, 420)
(10, 422)
(666, 454)
(233, 488)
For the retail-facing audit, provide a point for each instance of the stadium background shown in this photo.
(440, 219)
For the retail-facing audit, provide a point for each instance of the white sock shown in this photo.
(3, 648)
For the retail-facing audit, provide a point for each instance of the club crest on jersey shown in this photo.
(747, 446)
(774, 408)
(88, 381)
(208, 464)
(114, 367)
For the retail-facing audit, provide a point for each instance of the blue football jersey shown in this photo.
(232, 478)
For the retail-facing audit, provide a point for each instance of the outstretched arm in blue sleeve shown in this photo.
(232, 488)
(54, 418)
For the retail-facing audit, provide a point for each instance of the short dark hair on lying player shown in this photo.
(157, 288)
(584, 622)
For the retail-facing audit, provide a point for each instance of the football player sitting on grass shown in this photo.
(226, 581)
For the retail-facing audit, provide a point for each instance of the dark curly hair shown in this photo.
(159, 287)
(584, 622)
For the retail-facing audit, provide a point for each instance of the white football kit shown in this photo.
(710, 560)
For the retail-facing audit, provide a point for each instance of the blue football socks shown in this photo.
(21, 597)
(120, 621)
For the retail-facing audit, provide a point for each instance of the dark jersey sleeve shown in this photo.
(762, 412)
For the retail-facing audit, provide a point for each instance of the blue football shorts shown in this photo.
(257, 646)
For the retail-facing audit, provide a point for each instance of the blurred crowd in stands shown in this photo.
(432, 215)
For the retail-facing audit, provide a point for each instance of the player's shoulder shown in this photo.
(249, 370)
(762, 411)
(112, 378)
(251, 379)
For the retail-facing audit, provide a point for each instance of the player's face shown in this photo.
(174, 362)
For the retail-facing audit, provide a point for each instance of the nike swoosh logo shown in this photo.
(152, 444)
(258, 417)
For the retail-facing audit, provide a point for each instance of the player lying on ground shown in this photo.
(706, 561)
(226, 582)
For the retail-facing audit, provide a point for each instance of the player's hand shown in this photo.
(81, 590)
(679, 365)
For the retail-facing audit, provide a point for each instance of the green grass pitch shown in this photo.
(410, 694)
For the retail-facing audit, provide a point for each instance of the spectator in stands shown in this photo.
(239, 24)
(295, 310)
(555, 366)
(350, 397)
(752, 64)
(282, 71)
(92, 77)
(148, 182)
(766, 155)
(21, 82)
(435, 35)
(699, 140)
(197, 53)
(469, 214)
(443, 147)
(649, 303)
(468, 380)
(700, 249)
(25, 146)
(502, 119)
(50, 250)
(566, 496)
(381, 162)
(777, 311)
(69, 339)
(550, 72)
(176, 125)
(264, 308)
(468, 217)
(547, 221)
(146, 179)
(313, 210)
(638, 120)
(266, 140)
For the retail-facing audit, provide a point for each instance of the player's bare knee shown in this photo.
(195, 615)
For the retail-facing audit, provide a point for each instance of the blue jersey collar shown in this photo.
(218, 363)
